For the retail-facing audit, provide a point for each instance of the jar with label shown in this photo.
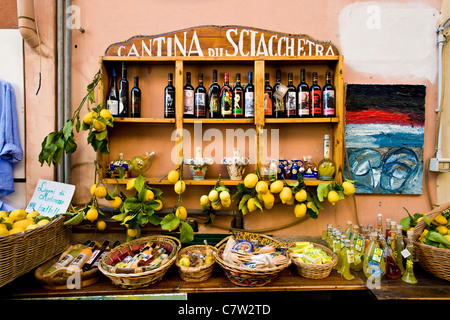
(309, 168)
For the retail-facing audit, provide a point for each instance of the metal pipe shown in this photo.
(67, 82)
(60, 78)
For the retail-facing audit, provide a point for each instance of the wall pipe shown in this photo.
(67, 82)
(60, 77)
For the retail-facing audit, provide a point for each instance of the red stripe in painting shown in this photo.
(377, 116)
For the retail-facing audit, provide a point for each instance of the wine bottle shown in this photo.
(97, 261)
(291, 98)
(123, 93)
(226, 98)
(188, 91)
(81, 258)
(249, 97)
(303, 96)
(278, 104)
(213, 98)
(328, 94)
(67, 259)
(267, 96)
(136, 99)
(169, 98)
(95, 254)
(238, 98)
(315, 97)
(112, 103)
(200, 99)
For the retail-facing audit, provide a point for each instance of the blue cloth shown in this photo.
(10, 147)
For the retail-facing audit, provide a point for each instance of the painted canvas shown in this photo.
(385, 137)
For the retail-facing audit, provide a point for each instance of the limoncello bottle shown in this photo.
(337, 249)
(374, 265)
(347, 258)
(399, 246)
(408, 254)
(348, 230)
(357, 246)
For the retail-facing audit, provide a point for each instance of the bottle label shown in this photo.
(350, 256)
(93, 256)
(189, 102)
(169, 103)
(226, 105)
(377, 255)
(79, 260)
(214, 103)
(315, 102)
(249, 104)
(280, 92)
(291, 98)
(135, 105)
(113, 107)
(303, 103)
(122, 107)
(278, 104)
(200, 102)
(405, 253)
(268, 103)
(237, 103)
(359, 244)
(328, 103)
(98, 260)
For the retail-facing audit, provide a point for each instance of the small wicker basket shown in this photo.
(247, 277)
(315, 271)
(139, 279)
(195, 274)
(432, 259)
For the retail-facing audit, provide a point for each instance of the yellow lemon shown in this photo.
(18, 214)
(251, 206)
(291, 201)
(130, 183)
(92, 214)
(2, 226)
(149, 195)
(209, 259)
(226, 203)
(333, 197)
(173, 176)
(301, 195)
(216, 206)
(179, 187)
(132, 232)
(250, 180)
(125, 220)
(93, 188)
(88, 117)
(261, 187)
(442, 230)
(105, 113)
(31, 226)
(3, 231)
(117, 202)
(9, 220)
(184, 262)
(268, 206)
(268, 198)
(16, 230)
(224, 196)
(100, 192)
(276, 186)
(181, 213)
(22, 224)
(3, 214)
(285, 194)
(300, 210)
(213, 195)
(98, 125)
(204, 200)
(101, 225)
(349, 188)
(32, 214)
(160, 205)
(440, 219)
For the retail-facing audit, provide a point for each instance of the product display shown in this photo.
(169, 98)
(135, 111)
(123, 93)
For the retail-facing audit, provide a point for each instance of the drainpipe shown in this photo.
(60, 77)
(67, 82)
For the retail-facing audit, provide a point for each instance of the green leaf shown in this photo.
(322, 190)
(101, 135)
(258, 204)
(187, 233)
(68, 128)
(170, 222)
(154, 219)
(437, 237)
(139, 184)
(244, 200)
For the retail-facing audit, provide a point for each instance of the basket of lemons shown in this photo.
(196, 263)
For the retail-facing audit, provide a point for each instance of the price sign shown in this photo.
(51, 198)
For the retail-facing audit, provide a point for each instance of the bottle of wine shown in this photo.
(249, 97)
(291, 98)
(200, 99)
(96, 262)
(81, 258)
(188, 91)
(214, 97)
(278, 104)
(169, 98)
(112, 103)
(238, 98)
(123, 93)
(67, 259)
(95, 254)
(329, 108)
(136, 99)
(303, 96)
(326, 167)
(267, 96)
(315, 97)
(226, 98)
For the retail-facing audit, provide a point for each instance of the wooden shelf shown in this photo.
(144, 120)
(302, 120)
(218, 120)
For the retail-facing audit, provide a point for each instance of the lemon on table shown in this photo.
(276, 186)
(333, 197)
(181, 213)
(92, 214)
(301, 195)
(250, 180)
(173, 176)
(179, 187)
(300, 210)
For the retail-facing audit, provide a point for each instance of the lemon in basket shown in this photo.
(18, 214)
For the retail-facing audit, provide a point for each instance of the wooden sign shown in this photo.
(224, 41)
(51, 198)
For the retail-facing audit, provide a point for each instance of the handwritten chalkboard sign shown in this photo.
(51, 198)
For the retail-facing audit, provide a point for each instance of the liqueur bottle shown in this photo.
(200, 99)
(67, 259)
(136, 99)
(303, 96)
(226, 98)
(347, 258)
(374, 264)
(291, 98)
(95, 254)
(278, 104)
(380, 224)
(315, 97)
(399, 246)
(357, 246)
(392, 269)
(81, 258)
(249, 97)
(169, 98)
(328, 94)
(238, 98)
(214, 98)
(408, 254)
(267, 96)
(112, 102)
(97, 261)
(188, 98)
(123, 93)
(326, 166)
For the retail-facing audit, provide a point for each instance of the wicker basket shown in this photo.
(246, 277)
(60, 280)
(316, 271)
(195, 274)
(22, 252)
(434, 260)
(139, 279)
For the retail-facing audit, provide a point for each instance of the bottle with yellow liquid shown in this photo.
(374, 265)
(346, 257)
(348, 230)
(399, 246)
(357, 246)
(337, 249)
(408, 254)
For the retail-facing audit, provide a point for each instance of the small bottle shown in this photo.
(303, 96)
(238, 98)
(347, 258)
(328, 95)
(408, 254)
(326, 167)
(226, 98)
(315, 98)
(338, 246)
(357, 246)
(169, 98)
(380, 224)
(214, 98)
(388, 228)
(309, 169)
(95, 254)
(112, 102)
(123, 93)
(392, 269)
(249, 97)
(200, 99)
(79, 261)
(290, 99)
(188, 98)
(135, 99)
(399, 246)
(67, 259)
(374, 265)
(120, 164)
(348, 230)
(278, 104)
(97, 261)
(268, 92)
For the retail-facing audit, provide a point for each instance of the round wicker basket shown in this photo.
(432, 259)
(315, 271)
(195, 274)
(140, 279)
